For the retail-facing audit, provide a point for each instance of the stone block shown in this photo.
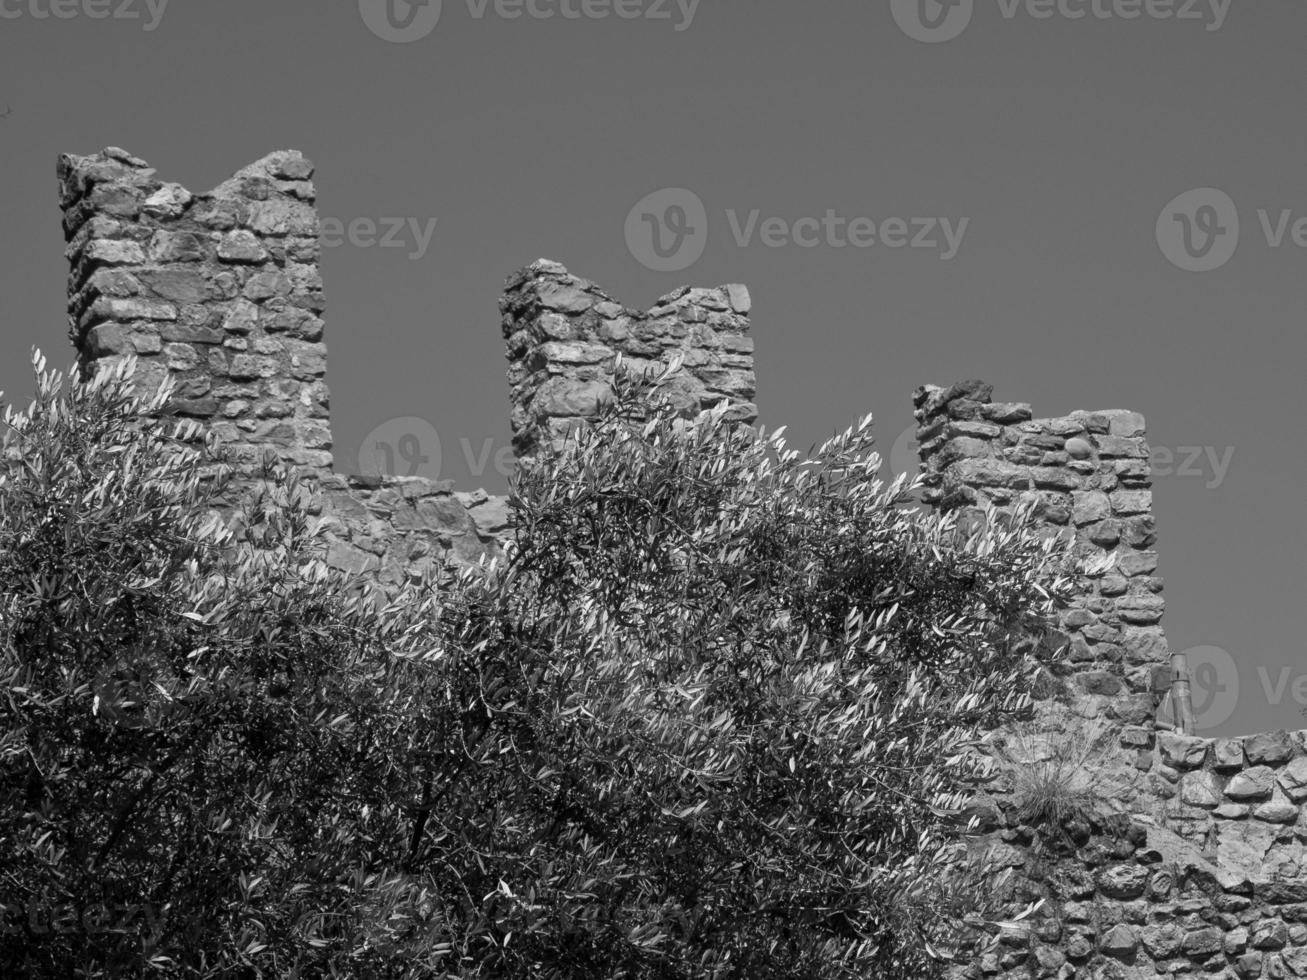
(1269, 749)
(1182, 751)
(1251, 784)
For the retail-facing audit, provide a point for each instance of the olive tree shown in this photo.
(710, 715)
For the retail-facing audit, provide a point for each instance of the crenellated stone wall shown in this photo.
(221, 291)
(562, 334)
(1194, 862)
(1088, 476)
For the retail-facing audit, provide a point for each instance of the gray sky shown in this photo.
(1059, 140)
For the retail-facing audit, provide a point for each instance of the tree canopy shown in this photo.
(708, 717)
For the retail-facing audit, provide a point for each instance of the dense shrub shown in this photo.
(708, 718)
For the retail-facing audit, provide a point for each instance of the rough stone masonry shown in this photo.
(222, 292)
(1195, 864)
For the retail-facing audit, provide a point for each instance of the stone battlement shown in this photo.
(221, 291)
(1089, 476)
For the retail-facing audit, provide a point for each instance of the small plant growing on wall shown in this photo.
(1054, 776)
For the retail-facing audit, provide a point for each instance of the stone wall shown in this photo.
(1193, 859)
(1088, 474)
(1192, 862)
(1201, 871)
(222, 292)
(562, 334)
(219, 290)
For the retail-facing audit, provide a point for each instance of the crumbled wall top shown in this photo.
(222, 292)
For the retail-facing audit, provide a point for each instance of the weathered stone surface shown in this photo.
(1140, 609)
(115, 252)
(176, 246)
(1182, 751)
(1251, 784)
(557, 397)
(1276, 810)
(1090, 506)
(1232, 811)
(1162, 941)
(1074, 461)
(1227, 753)
(1202, 942)
(566, 297)
(241, 245)
(741, 302)
(178, 285)
(1202, 789)
(1268, 749)
(1119, 941)
(241, 318)
(561, 333)
(1125, 881)
(1242, 847)
(169, 201)
(1293, 779)
(350, 558)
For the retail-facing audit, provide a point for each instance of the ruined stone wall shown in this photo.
(1201, 871)
(1193, 863)
(219, 290)
(562, 334)
(1088, 474)
(1193, 860)
(222, 292)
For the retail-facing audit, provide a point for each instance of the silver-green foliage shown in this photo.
(708, 718)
